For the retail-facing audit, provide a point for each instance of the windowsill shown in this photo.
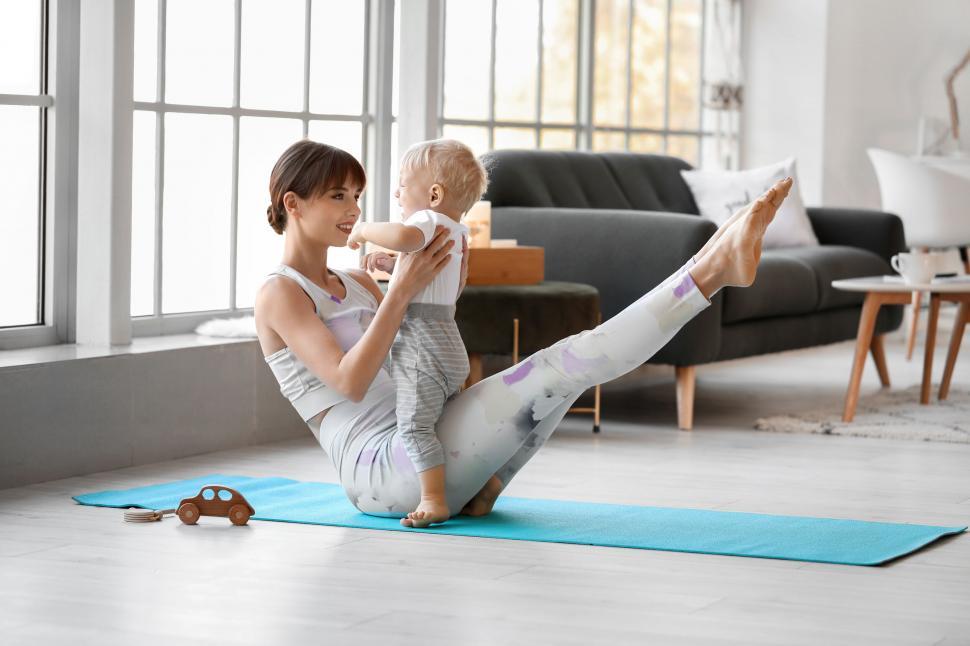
(140, 345)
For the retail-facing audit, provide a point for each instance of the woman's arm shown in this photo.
(286, 309)
(283, 306)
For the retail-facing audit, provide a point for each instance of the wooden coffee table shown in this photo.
(890, 290)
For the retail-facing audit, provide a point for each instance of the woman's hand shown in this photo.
(417, 269)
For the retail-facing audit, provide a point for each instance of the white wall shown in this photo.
(80, 416)
(886, 63)
(882, 64)
(783, 54)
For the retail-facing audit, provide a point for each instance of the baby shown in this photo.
(440, 180)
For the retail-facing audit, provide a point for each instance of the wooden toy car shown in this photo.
(215, 500)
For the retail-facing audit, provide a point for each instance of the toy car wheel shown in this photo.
(189, 513)
(238, 514)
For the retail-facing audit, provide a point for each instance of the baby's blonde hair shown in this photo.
(451, 164)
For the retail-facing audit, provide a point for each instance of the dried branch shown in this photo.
(954, 115)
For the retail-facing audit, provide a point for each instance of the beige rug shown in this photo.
(894, 414)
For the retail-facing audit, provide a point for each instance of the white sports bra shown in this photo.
(346, 318)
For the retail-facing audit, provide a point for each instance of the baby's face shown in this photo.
(414, 191)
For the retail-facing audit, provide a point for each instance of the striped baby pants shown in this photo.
(428, 365)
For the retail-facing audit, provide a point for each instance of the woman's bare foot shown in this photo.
(733, 258)
(485, 499)
(737, 215)
(428, 512)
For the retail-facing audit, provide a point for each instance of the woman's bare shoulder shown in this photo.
(280, 291)
(280, 299)
(367, 282)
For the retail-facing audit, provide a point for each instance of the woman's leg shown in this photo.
(505, 473)
(498, 424)
(495, 426)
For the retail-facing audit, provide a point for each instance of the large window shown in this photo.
(24, 101)
(575, 74)
(222, 87)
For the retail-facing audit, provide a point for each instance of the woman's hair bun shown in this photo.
(274, 219)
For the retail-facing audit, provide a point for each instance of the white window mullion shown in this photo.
(701, 84)
(421, 81)
(373, 66)
(378, 106)
(667, 40)
(104, 172)
(307, 15)
(234, 198)
(159, 159)
(40, 101)
(491, 77)
(585, 73)
(61, 198)
(539, 80)
(629, 73)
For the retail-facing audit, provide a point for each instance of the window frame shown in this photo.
(375, 128)
(57, 185)
(425, 51)
(583, 125)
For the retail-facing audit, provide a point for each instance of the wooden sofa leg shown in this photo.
(685, 397)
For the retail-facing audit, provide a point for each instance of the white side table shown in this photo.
(891, 290)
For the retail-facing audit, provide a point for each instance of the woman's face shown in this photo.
(329, 218)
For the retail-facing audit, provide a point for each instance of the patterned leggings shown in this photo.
(498, 424)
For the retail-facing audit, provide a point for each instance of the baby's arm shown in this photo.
(390, 235)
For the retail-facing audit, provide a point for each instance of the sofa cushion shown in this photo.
(652, 182)
(584, 180)
(544, 178)
(785, 285)
(798, 280)
(720, 193)
(835, 262)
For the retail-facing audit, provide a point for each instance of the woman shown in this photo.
(326, 336)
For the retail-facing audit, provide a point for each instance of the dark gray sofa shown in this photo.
(623, 222)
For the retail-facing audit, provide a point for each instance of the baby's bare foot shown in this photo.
(428, 512)
(485, 499)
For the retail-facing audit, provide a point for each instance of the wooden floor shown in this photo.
(79, 575)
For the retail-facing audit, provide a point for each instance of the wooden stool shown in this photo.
(494, 319)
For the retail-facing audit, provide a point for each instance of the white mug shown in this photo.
(915, 268)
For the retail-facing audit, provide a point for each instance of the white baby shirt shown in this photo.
(443, 290)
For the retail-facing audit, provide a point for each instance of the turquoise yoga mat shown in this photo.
(795, 538)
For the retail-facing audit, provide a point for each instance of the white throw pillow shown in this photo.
(720, 193)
